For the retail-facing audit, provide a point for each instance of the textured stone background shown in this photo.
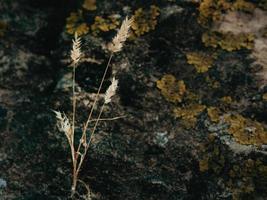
(193, 98)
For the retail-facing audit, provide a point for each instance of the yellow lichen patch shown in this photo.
(264, 96)
(212, 83)
(75, 24)
(208, 163)
(144, 21)
(204, 165)
(246, 131)
(243, 5)
(189, 114)
(228, 41)
(102, 24)
(212, 150)
(3, 28)
(191, 97)
(201, 61)
(214, 114)
(227, 99)
(241, 177)
(212, 10)
(171, 89)
(81, 29)
(244, 176)
(89, 5)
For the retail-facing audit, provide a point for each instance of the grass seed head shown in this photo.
(111, 91)
(76, 52)
(122, 35)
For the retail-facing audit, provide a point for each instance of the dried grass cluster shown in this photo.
(118, 41)
(78, 153)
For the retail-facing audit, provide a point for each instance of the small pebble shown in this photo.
(3, 183)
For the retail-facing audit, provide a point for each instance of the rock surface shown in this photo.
(211, 144)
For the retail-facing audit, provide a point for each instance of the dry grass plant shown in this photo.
(78, 153)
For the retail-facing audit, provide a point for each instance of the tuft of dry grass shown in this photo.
(123, 33)
(78, 153)
(63, 123)
(111, 91)
(76, 53)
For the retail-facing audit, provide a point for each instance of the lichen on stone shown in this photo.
(227, 99)
(214, 114)
(211, 11)
(228, 41)
(213, 159)
(3, 28)
(204, 165)
(201, 61)
(243, 5)
(264, 96)
(211, 82)
(242, 177)
(144, 20)
(189, 114)
(89, 5)
(171, 89)
(246, 131)
(75, 24)
(102, 24)
(191, 97)
(247, 177)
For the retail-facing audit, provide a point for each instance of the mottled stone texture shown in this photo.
(208, 145)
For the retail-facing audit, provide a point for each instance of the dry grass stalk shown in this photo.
(122, 35)
(78, 154)
(114, 46)
(76, 53)
(111, 90)
(63, 124)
